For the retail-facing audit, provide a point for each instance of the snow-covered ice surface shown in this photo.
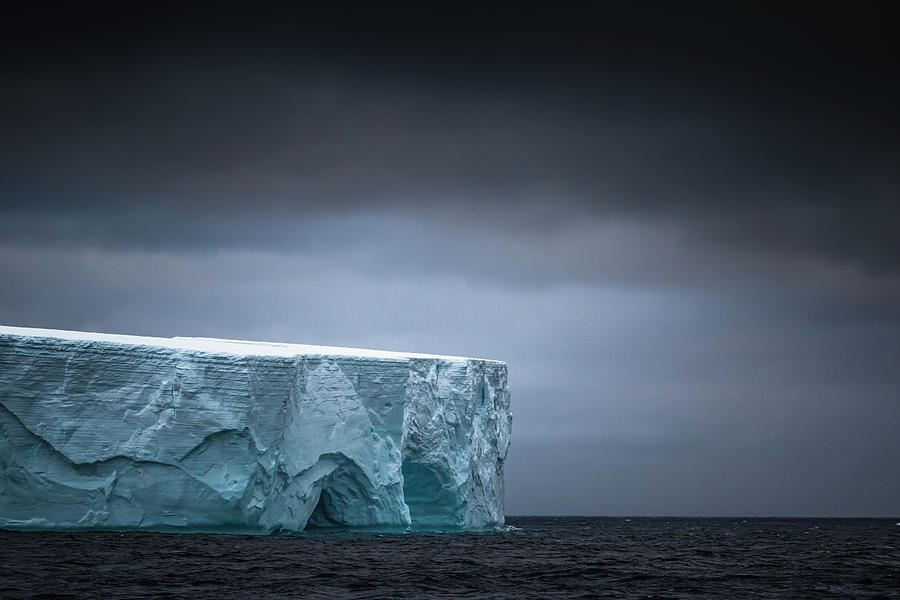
(102, 431)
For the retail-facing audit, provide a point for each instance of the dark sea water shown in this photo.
(559, 557)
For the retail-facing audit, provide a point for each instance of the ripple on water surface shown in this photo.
(539, 557)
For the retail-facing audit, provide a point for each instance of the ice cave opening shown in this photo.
(344, 498)
(431, 501)
(324, 514)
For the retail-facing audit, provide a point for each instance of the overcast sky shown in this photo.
(680, 228)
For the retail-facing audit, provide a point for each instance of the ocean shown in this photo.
(536, 557)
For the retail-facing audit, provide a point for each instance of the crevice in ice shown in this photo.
(210, 439)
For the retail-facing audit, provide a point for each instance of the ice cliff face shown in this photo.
(123, 432)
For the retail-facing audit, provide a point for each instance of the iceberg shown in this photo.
(119, 432)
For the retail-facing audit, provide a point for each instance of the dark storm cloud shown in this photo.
(677, 225)
(736, 125)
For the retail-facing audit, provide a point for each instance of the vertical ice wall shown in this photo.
(105, 431)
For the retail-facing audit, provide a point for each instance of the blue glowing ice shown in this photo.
(105, 431)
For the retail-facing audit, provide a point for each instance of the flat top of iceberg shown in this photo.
(218, 346)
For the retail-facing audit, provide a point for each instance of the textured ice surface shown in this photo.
(194, 434)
